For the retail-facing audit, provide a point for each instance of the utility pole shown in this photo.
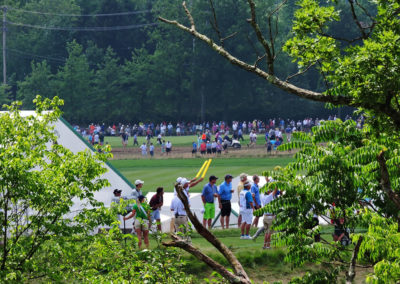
(4, 45)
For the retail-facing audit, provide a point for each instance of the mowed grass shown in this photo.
(180, 141)
(164, 172)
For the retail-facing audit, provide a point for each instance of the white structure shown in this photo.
(73, 141)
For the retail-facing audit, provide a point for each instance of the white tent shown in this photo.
(73, 141)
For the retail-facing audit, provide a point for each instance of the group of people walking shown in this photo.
(250, 199)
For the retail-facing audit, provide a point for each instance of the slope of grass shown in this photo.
(164, 172)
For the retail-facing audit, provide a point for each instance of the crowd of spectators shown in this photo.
(273, 127)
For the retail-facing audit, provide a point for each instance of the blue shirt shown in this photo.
(249, 199)
(194, 146)
(254, 189)
(225, 191)
(208, 192)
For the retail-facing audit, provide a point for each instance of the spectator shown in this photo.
(203, 148)
(156, 202)
(151, 149)
(137, 190)
(144, 149)
(243, 179)
(163, 147)
(208, 194)
(255, 191)
(141, 212)
(194, 148)
(224, 198)
(246, 209)
(168, 147)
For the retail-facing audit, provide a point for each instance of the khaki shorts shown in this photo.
(268, 223)
(141, 224)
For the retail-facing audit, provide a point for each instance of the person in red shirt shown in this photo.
(156, 202)
(203, 148)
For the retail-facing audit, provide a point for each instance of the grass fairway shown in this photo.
(165, 171)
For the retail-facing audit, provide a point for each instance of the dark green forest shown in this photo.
(113, 61)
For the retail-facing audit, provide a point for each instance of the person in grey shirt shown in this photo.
(137, 191)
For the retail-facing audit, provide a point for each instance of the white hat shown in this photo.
(184, 181)
(138, 181)
(178, 180)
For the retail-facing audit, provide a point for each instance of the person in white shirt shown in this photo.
(268, 219)
(168, 147)
(181, 219)
(144, 149)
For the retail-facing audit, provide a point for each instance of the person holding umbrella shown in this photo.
(143, 219)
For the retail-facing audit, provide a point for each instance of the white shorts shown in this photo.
(247, 216)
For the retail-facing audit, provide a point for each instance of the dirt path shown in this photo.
(186, 152)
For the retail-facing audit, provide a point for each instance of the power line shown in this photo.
(58, 59)
(81, 15)
(83, 29)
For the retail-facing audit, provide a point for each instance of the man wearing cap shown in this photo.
(246, 209)
(224, 198)
(243, 179)
(137, 190)
(117, 196)
(268, 219)
(255, 191)
(179, 212)
(208, 194)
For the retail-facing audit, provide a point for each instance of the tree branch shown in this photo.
(223, 249)
(307, 94)
(180, 243)
(385, 180)
(300, 72)
(260, 37)
(355, 18)
(352, 269)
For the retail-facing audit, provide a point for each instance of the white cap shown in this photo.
(138, 181)
(178, 180)
(184, 181)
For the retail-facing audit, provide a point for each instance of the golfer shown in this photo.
(208, 195)
(143, 218)
(246, 209)
(224, 198)
(181, 219)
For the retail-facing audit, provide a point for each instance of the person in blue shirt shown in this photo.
(255, 191)
(224, 198)
(207, 196)
(194, 149)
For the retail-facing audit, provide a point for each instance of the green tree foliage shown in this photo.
(41, 238)
(336, 165)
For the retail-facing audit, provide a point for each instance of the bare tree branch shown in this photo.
(189, 15)
(269, 76)
(223, 249)
(180, 243)
(352, 269)
(215, 24)
(307, 94)
(259, 58)
(300, 72)
(260, 37)
(355, 18)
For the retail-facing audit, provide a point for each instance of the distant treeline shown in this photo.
(112, 61)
